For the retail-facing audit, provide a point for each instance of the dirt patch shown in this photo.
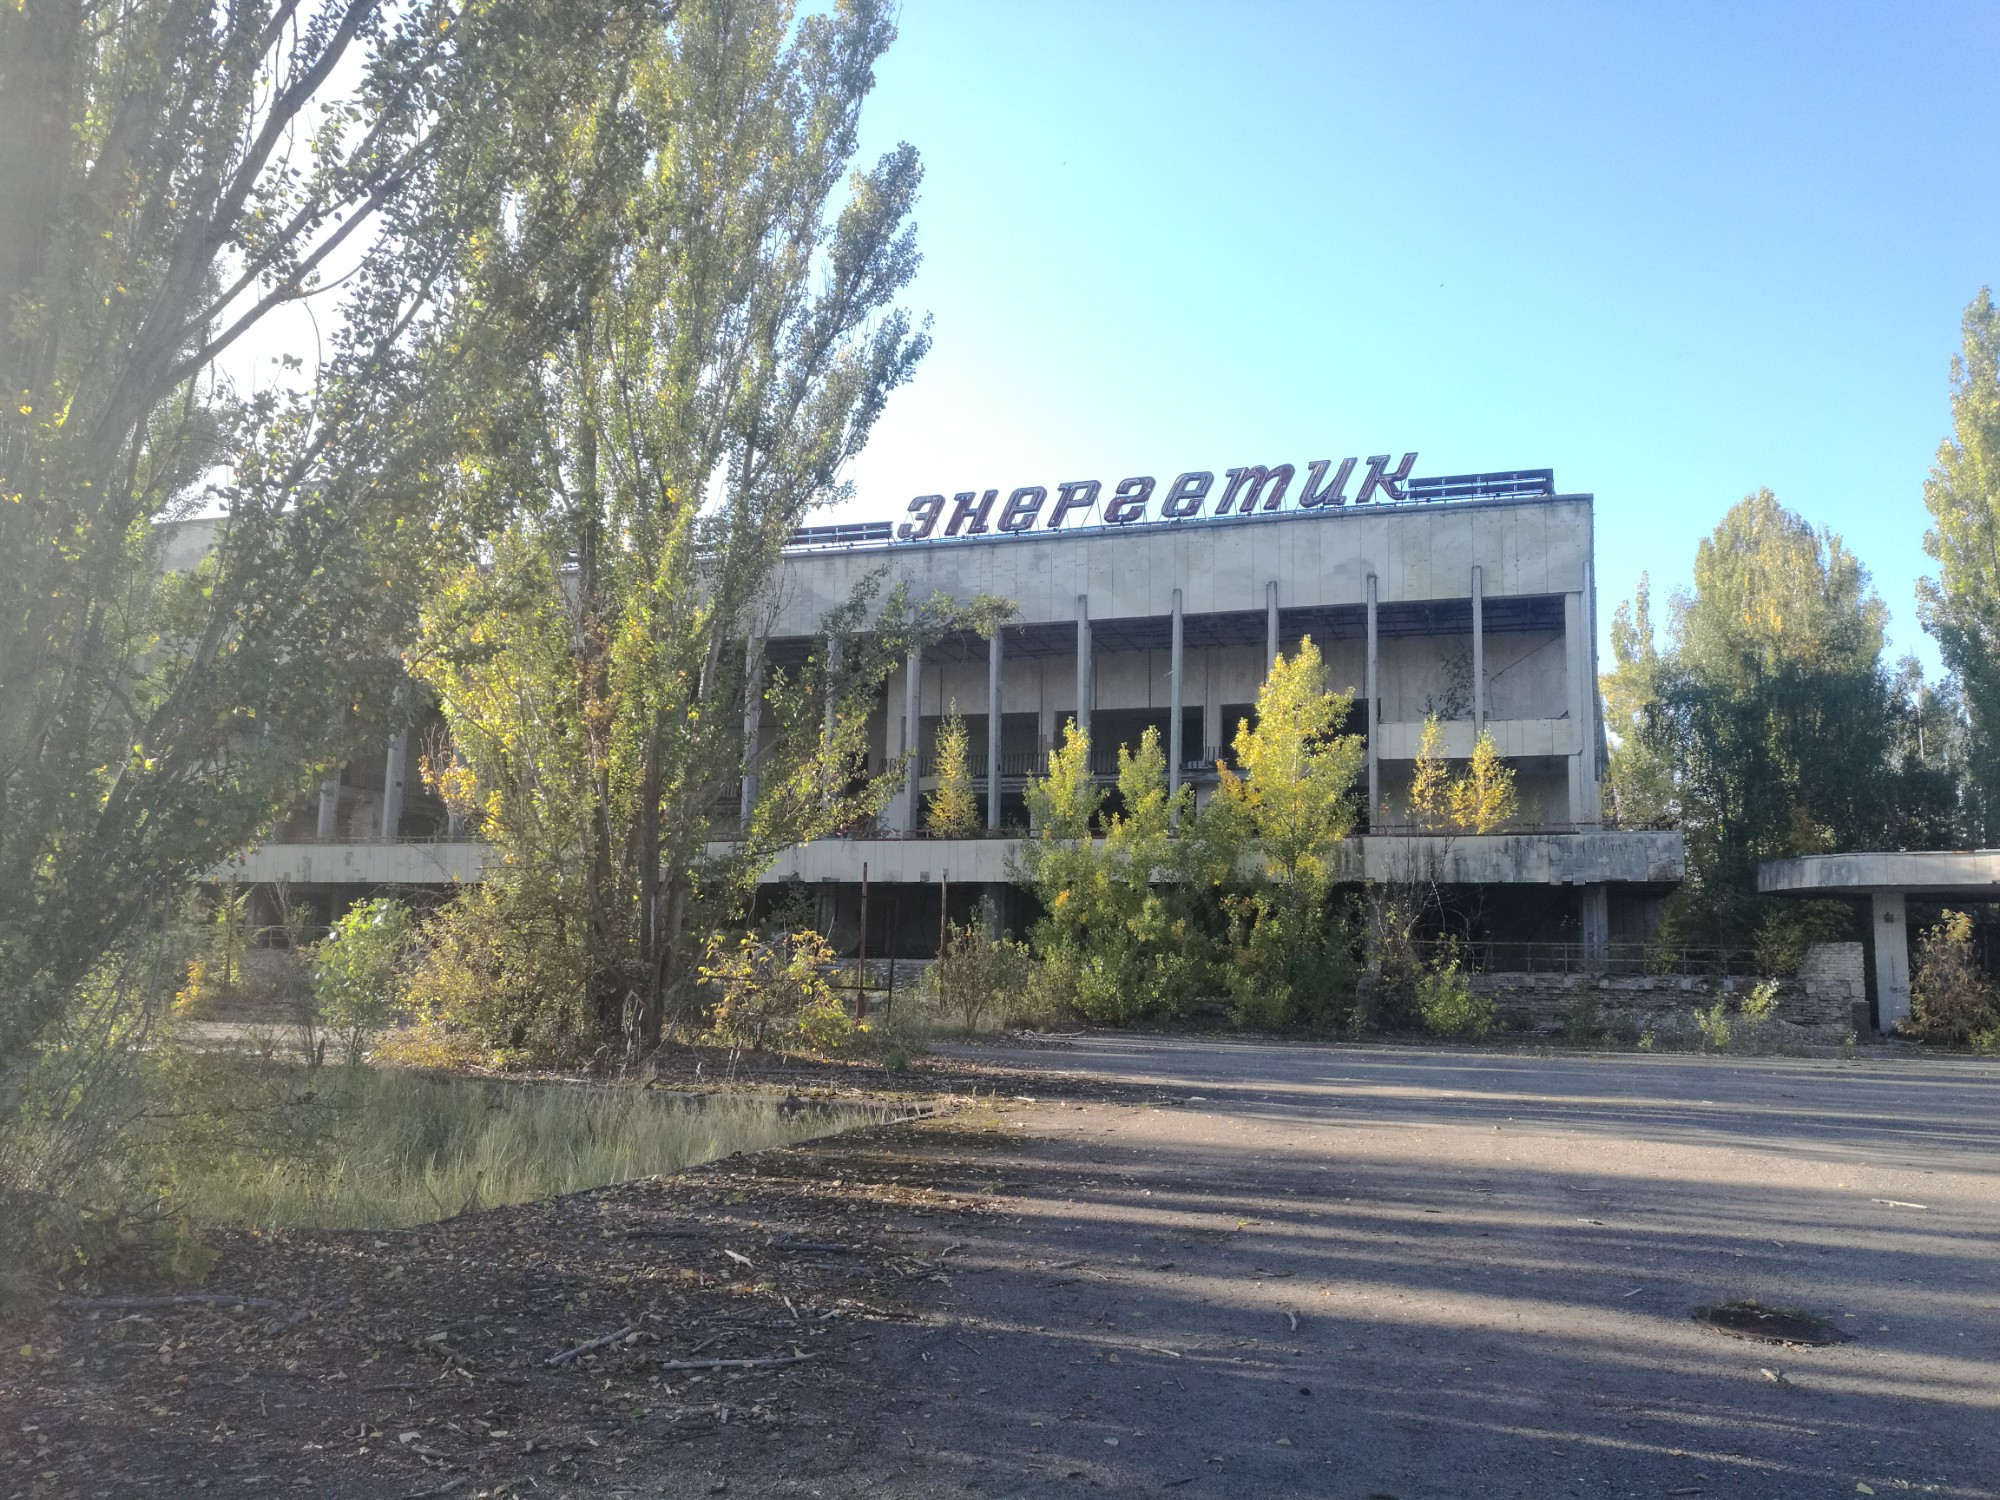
(438, 1360)
(1749, 1319)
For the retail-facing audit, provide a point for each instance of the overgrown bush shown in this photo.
(357, 973)
(1950, 1000)
(1445, 999)
(1582, 1021)
(976, 977)
(774, 991)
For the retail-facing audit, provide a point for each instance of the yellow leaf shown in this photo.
(27, 1351)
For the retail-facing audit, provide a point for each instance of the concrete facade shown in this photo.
(1177, 621)
(1479, 611)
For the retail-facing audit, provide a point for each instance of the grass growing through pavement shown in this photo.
(367, 1148)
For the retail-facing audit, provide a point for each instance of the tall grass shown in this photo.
(398, 1148)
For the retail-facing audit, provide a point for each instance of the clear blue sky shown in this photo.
(1674, 252)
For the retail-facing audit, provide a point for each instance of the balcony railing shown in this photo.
(1628, 959)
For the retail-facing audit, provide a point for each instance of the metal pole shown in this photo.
(895, 931)
(861, 960)
(944, 908)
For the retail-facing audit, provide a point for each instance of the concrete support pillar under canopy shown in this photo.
(1892, 958)
(1478, 651)
(329, 809)
(1084, 686)
(1594, 923)
(1270, 626)
(1371, 686)
(913, 740)
(392, 784)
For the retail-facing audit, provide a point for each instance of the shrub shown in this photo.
(1445, 1000)
(774, 990)
(1713, 1024)
(1762, 1003)
(1582, 1021)
(975, 977)
(1950, 1000)
(356, 972)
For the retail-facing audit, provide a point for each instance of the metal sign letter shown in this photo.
(1185, 498)
(927, 509)
(1073, 494)
(1128, 501)
(1022, 508)
(1386, 483)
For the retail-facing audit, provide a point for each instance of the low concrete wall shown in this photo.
(1816, 1004)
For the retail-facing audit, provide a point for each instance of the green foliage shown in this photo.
(1122, 933)
(721, 353)
(1713, 1024)
(954, 811)
(1638, 778)
(1961, 606)
(1761, 1004)
(976, 978)
(1291, 945)
(1789, 928)
(775, 992)
(1950, 1000)
(1483, 798)
(1773, 710)
(1445, 999)
(1479, 799)
(1064, 801)
(1583, 1021)
(356, 972)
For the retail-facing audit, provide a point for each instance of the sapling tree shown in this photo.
(953, 812)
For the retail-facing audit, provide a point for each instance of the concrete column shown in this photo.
(1271, 626)
(1212, 729)
(1892, 959)
(913, 740)
(392, 784)
(329, 809)
(1371, 685)
(1178, 672)
(753, 720)
(1580, 724)
(1594, 921)
(995, 654)
(1478, 651)
(1085, 687)
(832, 672)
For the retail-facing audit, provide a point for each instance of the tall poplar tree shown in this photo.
(172, 174)
(1772, 709)
(722, 288)
(1961, 606)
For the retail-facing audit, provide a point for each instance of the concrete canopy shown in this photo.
(1966, 874)
(1887, 878)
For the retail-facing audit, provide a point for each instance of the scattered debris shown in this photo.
(597, 1343)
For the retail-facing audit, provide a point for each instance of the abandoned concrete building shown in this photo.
(1471, 598)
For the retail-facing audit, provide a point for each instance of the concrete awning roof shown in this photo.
(1967, 874)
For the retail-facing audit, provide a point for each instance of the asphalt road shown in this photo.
(1370, 1271)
